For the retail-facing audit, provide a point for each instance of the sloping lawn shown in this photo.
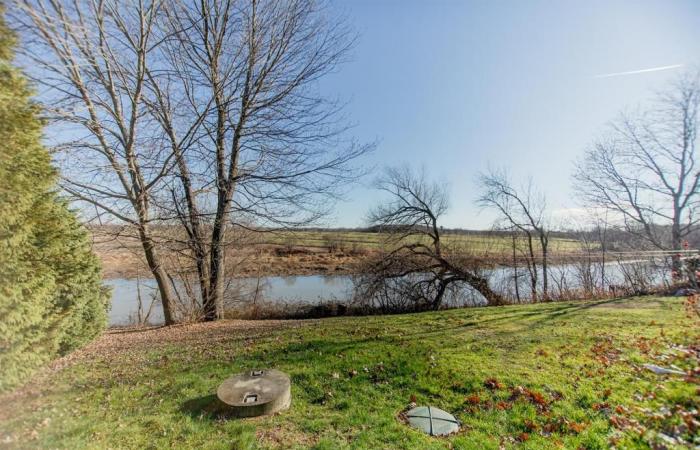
(561, 375)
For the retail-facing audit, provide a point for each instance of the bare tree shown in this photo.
(91, 58)
(418, 269)
(255, 140)
(523, 211)
(206, 114)
(644, 169)
(588, 265)
(516, 274)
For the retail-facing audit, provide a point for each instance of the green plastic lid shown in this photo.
(433, 421)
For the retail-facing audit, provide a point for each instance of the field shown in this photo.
(299, 252)
(368, 240)
(557, 375)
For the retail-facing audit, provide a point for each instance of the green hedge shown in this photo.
(51, 295)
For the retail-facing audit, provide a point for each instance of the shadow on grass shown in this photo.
(207, 406)
(342, 343)
(551, 312)
(621, 303)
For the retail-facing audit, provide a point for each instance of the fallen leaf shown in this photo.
(502, 406)
(576, 427)
(493, 384)
(473, 399)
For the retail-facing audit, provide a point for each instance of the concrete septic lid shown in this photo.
(256, 393)
(432, 420)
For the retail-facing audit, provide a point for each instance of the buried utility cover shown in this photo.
(255, 393)
(432, 420)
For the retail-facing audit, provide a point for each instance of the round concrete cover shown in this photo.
(256, 393)
(432, 420)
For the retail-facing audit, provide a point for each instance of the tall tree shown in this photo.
(206, 113)
(51, 294)
(92, 58)
(254, 138)
(644, 170)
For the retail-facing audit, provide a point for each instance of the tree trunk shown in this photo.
(516, 277)
(492, 297)
(676, 240)
(437, 301)
(544, 241)
(532, 267)
(194, 227)
(202, 274)
(604, 247)
(481, 285)
(167, 296)
(213, 304)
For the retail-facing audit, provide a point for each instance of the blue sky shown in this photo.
(456, 86)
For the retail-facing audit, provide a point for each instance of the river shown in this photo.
(308, 288)
(338, 288)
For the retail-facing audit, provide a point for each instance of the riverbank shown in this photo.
(263, 254)
(558, 375)
(124, 260)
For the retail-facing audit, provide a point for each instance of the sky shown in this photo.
(457, 87)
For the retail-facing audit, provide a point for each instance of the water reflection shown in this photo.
(338, 288)
(311, 288)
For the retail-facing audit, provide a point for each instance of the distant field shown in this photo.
(370, 240)
(355, 239)
(311, 252)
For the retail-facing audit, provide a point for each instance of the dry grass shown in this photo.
(291, 253)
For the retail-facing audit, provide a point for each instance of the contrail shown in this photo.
(633, 72)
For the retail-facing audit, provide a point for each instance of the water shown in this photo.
(310, 288)
(320, 288)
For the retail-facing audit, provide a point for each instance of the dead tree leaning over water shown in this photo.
(417, 270)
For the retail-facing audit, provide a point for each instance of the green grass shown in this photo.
(351, 377)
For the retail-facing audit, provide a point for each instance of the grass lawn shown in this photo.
(562, 375)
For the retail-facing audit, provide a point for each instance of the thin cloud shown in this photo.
(634, 72)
